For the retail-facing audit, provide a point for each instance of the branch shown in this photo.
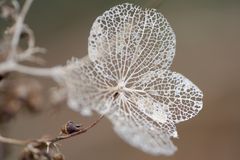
(18, 29)
(10, 66)
(62, 137)
(51, 141)
(12, 141)
(28, 54)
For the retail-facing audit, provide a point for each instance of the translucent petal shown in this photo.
(88, 85)
(151, 142)
(181, 98)
(136, 39)
(142, 132)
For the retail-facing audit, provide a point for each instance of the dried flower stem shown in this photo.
(18, 29)
(12, 141)
(10, 66)
(12, 62)
(62, 137)
(51, 141)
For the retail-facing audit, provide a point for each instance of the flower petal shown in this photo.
(142, 132)
(180, 96)
(134, 38)
(151, 142)
(87, 85)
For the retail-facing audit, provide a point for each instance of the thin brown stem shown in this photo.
(51, 141)
(62, 137)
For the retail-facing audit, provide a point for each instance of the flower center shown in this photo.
(119, 89)
(121, 86)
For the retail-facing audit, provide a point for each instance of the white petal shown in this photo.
(151, 142)
(136, 39)
(87, 85)
(142, 132)
(180, 96)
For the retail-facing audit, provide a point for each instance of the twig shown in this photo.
(51, 141)
(18, 29)
(12, 141)
(28, 54)
(31, 39)
(10, 66)
(62, 137)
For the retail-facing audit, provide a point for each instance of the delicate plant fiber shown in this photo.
(126, 76)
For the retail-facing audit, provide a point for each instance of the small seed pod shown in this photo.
(70, 127)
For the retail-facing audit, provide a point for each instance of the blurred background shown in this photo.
(208, 53)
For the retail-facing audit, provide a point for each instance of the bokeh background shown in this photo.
(208, 53)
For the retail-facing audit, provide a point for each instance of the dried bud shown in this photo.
(9, 109)
(6, 11)
(28, 91)
(15, 94)
(58, 156)
(32, 153)
(70, 127)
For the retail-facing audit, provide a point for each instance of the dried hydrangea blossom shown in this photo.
(126, 77)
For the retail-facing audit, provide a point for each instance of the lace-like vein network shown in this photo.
(126, 76)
